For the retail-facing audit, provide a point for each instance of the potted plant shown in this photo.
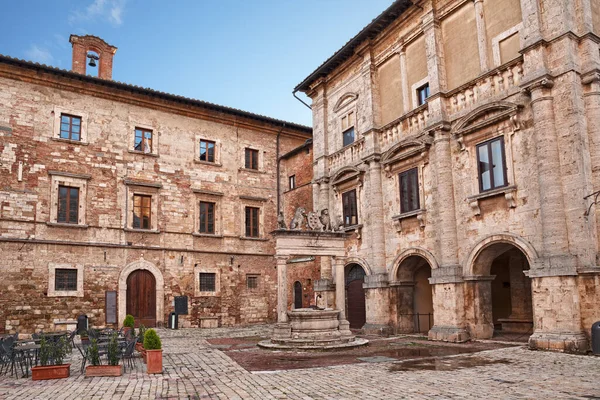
(51, 359)
(128, 324)
(113, 368)
(139, 345)
(153, 348)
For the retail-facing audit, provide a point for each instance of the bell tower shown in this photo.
(92, 51)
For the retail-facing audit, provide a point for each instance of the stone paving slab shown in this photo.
(195, 370)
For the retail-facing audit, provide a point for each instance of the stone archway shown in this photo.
(498, 291)
(160, 288)
(414, 292)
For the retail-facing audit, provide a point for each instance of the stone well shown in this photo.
(312, 329)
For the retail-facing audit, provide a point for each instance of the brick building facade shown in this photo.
(458, 141)
(116, 199)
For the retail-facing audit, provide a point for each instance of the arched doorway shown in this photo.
(297, 295)
(501, 292)
(141, 297)
(415, 298)
(355, 296)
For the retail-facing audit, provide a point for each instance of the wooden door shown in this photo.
(297, 295)
(357, 312)
(141, 297)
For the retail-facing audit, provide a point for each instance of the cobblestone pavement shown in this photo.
(193, 369)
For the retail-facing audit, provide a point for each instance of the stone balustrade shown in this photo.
(347, 155)
(493, 84)
(407, 125)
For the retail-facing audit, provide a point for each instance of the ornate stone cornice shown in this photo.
(590, 77)
(543, 82)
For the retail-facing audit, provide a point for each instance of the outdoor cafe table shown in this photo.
(28, 350)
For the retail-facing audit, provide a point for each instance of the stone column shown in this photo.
(448, 291)
(282, 290)
(324, 196)
(404, 81)
(375, 216)
(340, 296)
(481, 36)
(283, 329)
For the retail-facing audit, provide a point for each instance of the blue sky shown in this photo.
(242, 54)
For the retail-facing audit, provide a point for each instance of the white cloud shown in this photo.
(39, 54)
(107, 10)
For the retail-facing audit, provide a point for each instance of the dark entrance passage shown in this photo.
(141, 297)
(414, 294)
(297, 295)
(355, 296)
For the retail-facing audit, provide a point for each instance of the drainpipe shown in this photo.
(300, 100)
(278, 171)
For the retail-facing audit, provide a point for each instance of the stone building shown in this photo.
(459, 142)
(118, 199)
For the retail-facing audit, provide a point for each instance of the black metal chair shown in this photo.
(8, 346)
(128, 354)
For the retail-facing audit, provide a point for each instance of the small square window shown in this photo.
(143, 140)
(207, 281)
(207, 151)
(251, 159)
(142, 211)
(422, 94)
(252, 281)
(68, 205)
(70, 127)
(292, 180)
(65, 279)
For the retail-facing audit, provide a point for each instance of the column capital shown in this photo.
(541, 83)
(372, 159)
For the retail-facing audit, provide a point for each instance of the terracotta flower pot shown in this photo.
(154, 361)
(144, 355)
(41, 373)
(104, 370)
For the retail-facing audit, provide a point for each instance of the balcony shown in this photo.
(407, 125)
(348, 155)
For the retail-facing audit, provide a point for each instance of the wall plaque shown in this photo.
(181, 305)
(111, 306)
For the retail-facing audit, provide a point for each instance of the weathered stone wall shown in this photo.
(32, 156)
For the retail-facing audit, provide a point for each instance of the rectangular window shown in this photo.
(348, 128)
(292, 180)
(492, 165)
(65, 279)
(143, 140)
(70, 127)
(207, 217)
(422, 94)
(207, 281)
(409, 190)
(207, 151)
(252, 221)
(349, 208)
(68, 205)
(142, 210)
(251, 159)
(252, 281)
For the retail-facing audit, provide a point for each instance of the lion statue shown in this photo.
(298, 221)
(325, 220)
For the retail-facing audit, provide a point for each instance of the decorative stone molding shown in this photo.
(354, 228)
(376, 281)
(411, 148)
(70, 175)
(347, 177)
(160, 288)
(590, 77)
(344, 100)
(133, 182)
(485, 116)
(419, 214)
(544, 82)
(509, 193)
(207, 192)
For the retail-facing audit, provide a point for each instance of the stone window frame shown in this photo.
(58, 111)
(416, 86)
(347, 179)
(258, 281)
(52, 292)
(346, 104)
(292, 182)
(515, 30)
(145, 189)
(256, 202)
(207, 270)
(132, 126)
(504, 123)
(209, 197)
(218, 150)
(79, 181)
(261, 159)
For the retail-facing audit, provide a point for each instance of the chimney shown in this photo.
(82, 45)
